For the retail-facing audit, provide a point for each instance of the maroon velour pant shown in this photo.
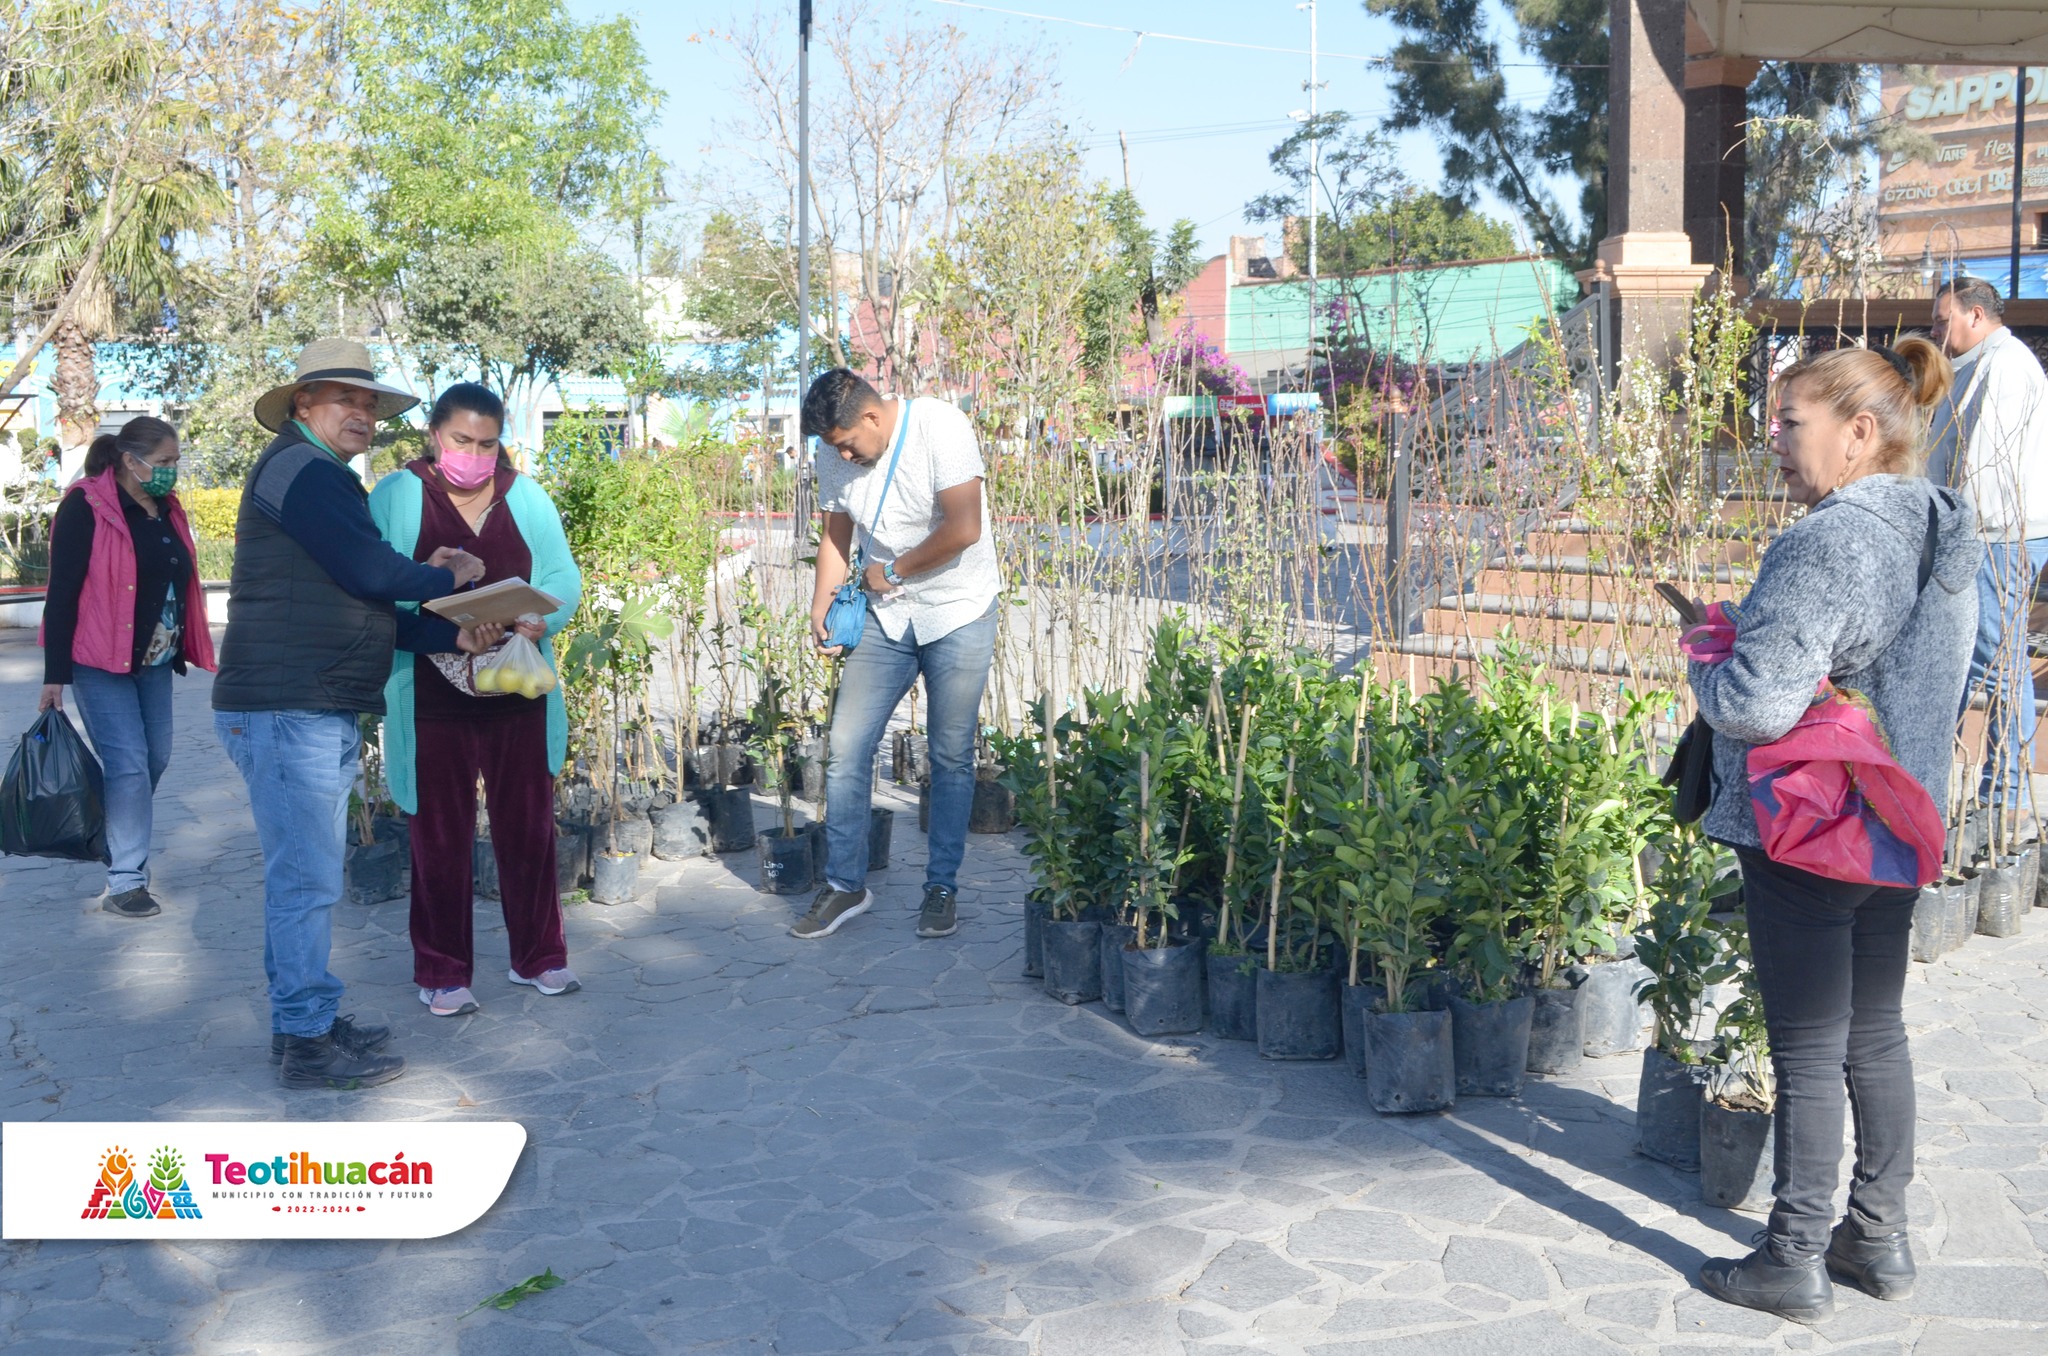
(511, 755)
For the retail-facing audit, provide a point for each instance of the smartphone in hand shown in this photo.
(1688, 612)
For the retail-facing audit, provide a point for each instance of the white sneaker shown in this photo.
(549, 982)
(449, 1002)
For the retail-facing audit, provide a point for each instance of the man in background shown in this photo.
(1989, 438)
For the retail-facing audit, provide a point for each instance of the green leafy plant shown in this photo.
(1682, 951)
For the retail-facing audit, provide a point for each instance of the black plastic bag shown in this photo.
(53, 801)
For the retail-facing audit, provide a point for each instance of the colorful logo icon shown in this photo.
(118, 1195)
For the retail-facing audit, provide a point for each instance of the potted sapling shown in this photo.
(727, 767)
(1162, 977)
(1031, 770)
(785, 851)
(1394, 887)
(1684, 955)
(1081, 813)
(381, 852)
(1588, 820)
(617, 647)
(1299, 1012)
(1228, 964)
(1340, 817)
(1490, 1018)
(1740, 1101)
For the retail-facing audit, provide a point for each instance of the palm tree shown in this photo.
(96, 194)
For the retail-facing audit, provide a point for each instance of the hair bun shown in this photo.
(1932, 375)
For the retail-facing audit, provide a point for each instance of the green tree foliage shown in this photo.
(1032, 233)
(244, 305)
(737, 290)
(1139, 274)
(1411, 227)
(1449, 80)
(483, 120)
(519, 316)
(97, 178)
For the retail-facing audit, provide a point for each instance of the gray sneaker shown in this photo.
(830, 909)
(130, 904)
(937, 918)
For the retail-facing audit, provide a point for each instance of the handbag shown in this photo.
(1830, 798)
(1691, 774)
(846, 617)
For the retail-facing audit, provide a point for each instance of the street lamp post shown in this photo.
(800, 518)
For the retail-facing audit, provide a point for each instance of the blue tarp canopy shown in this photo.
(1292, 402)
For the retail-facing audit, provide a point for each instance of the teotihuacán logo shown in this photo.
(304, 1179)
(118, 1195)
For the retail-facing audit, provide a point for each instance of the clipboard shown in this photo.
(498, 604)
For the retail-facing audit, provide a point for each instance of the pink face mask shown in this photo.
(467, 470)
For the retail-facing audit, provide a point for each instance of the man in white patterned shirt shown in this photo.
(906, 489)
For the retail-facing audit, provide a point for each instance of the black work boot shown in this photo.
(1880, 1265)
(353, 1039)
(1798, 1290)
(322, 1062)
(937, 917)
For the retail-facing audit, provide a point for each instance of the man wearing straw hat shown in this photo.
(311, 628)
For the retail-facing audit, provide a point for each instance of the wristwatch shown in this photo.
(889, 573)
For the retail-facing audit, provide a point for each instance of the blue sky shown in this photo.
(1201, 118)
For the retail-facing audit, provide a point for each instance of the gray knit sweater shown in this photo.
(1835, 597)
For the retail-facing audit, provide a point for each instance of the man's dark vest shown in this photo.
(296, 641)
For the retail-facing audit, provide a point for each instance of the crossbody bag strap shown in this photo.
(1927, 546)
(858, 563)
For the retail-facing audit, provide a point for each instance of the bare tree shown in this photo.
(898, 105)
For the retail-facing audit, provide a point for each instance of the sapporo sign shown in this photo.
(1968, 112)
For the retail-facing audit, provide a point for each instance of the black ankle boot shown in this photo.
(353, 1037)
(1798, 1290)
(1881, 1266)
(323, 1062)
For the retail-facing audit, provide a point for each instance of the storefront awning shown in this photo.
(1188, 407)
(1986, 32)
(1292, 402)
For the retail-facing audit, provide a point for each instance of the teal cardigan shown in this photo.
(395, 505)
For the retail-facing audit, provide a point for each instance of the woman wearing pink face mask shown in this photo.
(441, 735)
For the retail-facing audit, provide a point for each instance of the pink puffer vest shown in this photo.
(105, 637)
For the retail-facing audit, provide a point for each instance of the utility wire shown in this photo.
(1142, 33)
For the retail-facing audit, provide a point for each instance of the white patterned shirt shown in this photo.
(939, 452)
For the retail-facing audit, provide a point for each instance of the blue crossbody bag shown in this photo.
(847, 617)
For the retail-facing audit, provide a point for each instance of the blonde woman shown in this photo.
(1842, 595)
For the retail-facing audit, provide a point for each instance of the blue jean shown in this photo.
(128, 718)
(2005, 594)
(871, 684)
(300, 767)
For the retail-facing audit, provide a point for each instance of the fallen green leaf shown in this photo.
(526, 1289)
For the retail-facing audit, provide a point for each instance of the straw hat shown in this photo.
(341, 360)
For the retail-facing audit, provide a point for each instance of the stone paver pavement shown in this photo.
(744, 1143)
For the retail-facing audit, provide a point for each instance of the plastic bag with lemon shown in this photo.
(515, 668)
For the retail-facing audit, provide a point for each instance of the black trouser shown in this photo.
(1831, 965)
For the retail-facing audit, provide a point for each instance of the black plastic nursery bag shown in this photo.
(53, 802)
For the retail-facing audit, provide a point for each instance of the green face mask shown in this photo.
(160, 481)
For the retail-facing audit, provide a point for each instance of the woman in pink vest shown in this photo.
(123, 612)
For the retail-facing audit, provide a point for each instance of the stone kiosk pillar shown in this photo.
(1646, 266)
(1716, 153)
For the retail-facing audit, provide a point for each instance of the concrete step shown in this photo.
(1597, 567)
(1554, 608)
(1601, 661)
